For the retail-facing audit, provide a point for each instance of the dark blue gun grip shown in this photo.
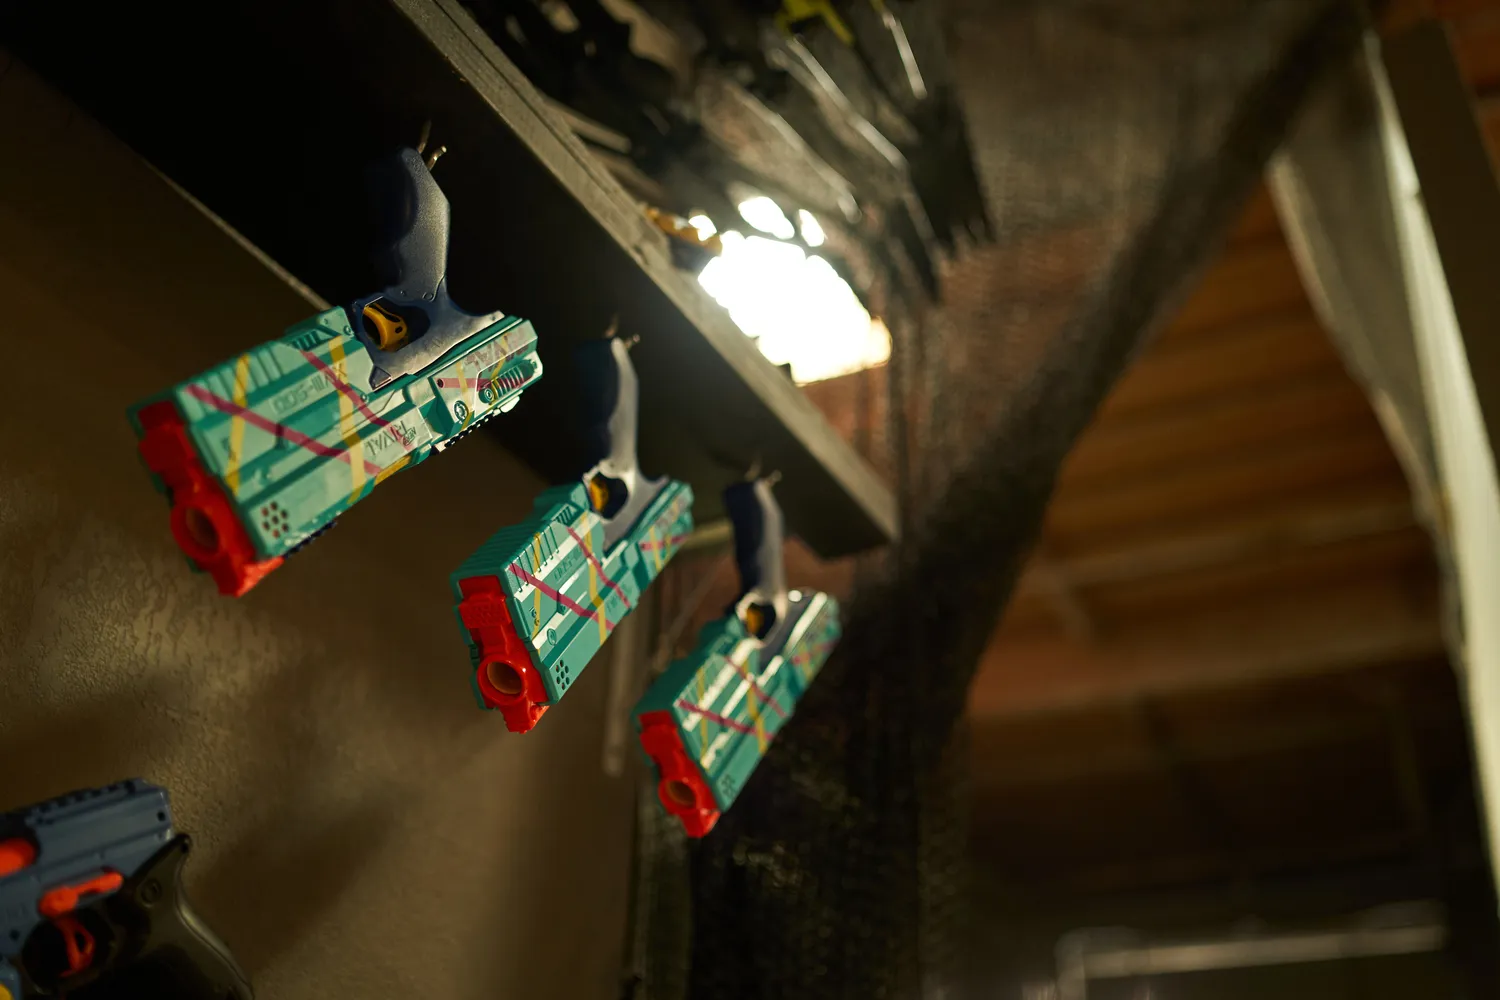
(393, 210)
(747, 512)
(410, 216)
(599, 383)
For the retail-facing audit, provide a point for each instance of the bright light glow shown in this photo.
(796, 307)
(704, 225)
(812, 233)
(765, 215)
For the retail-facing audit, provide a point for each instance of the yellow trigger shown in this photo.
(389, 327)
(598, 494)
(755, 620)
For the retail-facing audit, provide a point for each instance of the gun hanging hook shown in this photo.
(430, 159)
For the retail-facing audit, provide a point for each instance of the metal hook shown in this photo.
(431, 158)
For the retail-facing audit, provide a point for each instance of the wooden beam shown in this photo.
(1331, 182)
(1476, 39)
(1212, 491)
(1323, 402)
(1053, 583)
(1363, 626)
(1258, 221)
(1459, 193)
(1251, 279)
(995, 775)
(1276, 534)
(1212, 865)
(1263, 351)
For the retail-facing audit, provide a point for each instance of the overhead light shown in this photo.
(812, 233)
(704, 225)
(767, 216)
(796, 308)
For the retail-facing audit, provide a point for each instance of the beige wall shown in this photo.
(362, 829)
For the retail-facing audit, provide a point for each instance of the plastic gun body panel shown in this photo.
(540, 598)
(707, 722)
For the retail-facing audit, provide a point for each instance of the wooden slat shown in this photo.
(1068, 607)
(1030, 614)
(1459, 194)
(1476, 43)
(1258, 352)
(1252, 279)
(1258, 222)
(1231, 542)
(1326, 402)
(1488, 110)
(1365, 624)
(1042, 831)
(1252, 738)
(1163, 504)
(1456, 10)
(1227, 724)
(1402, 14)
(1183, 869)
(1390, 555)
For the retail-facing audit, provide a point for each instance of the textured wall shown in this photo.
(362, 830)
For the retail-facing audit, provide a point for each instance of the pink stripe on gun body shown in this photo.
(346, 389)
(662, 543)
(597, 565)
(556, 595)
(727, 723)
(272, 427)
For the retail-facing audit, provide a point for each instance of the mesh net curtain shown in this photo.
(1116, 142)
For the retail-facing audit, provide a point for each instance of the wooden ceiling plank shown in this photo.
(1264, 351)
(1373, 623)
(1251, 279)
(1278, 532)
(1211, 865)
(1322, 402)
(1207, 488)
(1062, 597)
(1476, 43)
(993, 776)
(1402, 554)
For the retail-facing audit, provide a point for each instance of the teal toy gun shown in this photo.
(708, 720)
(263, 452)
(539, 599)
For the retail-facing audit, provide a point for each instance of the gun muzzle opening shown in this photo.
(675, 792)
(504, 678)
(201, 532)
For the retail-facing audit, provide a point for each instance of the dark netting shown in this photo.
(1116, 142)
